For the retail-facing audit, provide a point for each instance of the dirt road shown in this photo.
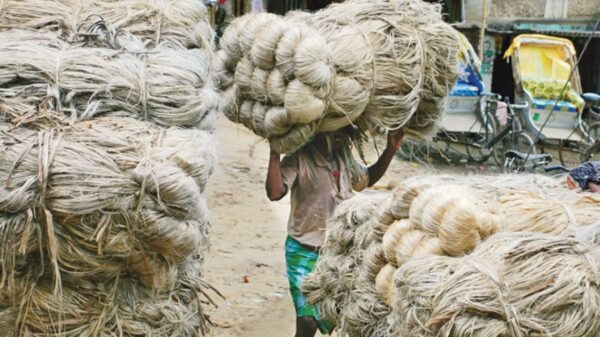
(246, 262)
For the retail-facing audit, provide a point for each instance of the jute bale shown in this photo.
(169, 87)
(129, 187)
(515, 284)
(457, 216)
(373, 65)
(179, 23)
(90, 308)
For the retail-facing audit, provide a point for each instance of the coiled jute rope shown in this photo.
(462, 256)
(376, 66)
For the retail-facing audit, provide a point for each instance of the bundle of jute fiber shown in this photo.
(109, 218)
(167, 86)
(109, 197)
(424, 217)
(342, 251)
(179, 23)
(373, 65)
(515, 284)
(120, 306)
(353, 305)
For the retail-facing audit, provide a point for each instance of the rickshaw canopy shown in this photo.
(544, 58)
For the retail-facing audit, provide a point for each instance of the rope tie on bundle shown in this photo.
(55, 86)
(47, 145)
(148, 171)
(144, 90)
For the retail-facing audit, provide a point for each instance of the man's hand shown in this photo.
(275, 187)
(377, 170)
(394, 139)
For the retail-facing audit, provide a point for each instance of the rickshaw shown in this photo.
(469, 118)
(542, 67)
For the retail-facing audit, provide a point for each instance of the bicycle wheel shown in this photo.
(592, 153)
(594, 131)
(520, 142)
(481, 133)
(570, 156)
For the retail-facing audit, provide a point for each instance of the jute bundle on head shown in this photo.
(180, 23)
(168, 87)
(374, 65)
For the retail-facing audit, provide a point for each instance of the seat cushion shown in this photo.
(548, 104)
(463, 89)
(550, 90)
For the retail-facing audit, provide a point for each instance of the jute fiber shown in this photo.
(106, 147)
(377, 66)
(178, 23)
(515, 284)
(170, 87)
(95, 207)
(429, 227)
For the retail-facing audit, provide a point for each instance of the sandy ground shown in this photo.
(246, 262)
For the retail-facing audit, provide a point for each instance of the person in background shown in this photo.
(320, 175)
(585, 176)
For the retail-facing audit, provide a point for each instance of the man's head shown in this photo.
(333, 140)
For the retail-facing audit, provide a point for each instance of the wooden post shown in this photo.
(484, 14)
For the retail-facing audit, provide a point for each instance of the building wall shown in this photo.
(512, 9)
(589, 9)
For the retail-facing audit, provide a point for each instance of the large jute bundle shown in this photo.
(428, 218)
(105, 151)
(515, 284)
(121, 196)
(89, 308)
(180, 23)
(377, 66)
(89, 208)
(166, 86)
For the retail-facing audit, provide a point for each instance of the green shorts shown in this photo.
(300, 262)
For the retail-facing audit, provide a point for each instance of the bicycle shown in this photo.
(511, 139)
(572, 153)
(522, 162)
(483, 131)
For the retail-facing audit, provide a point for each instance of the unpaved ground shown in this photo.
(246, 262)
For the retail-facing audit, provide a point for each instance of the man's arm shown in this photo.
(593, 187)
(275, 187)
(377, 170)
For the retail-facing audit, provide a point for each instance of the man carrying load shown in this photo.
(320, 175)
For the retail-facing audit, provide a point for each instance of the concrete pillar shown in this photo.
(556, 9)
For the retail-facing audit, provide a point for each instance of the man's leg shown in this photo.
(306, 327)
(300, 261)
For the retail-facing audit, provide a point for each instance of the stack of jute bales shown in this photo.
(106, 147)
(462, 256)
(377, 65)
(176, 22)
